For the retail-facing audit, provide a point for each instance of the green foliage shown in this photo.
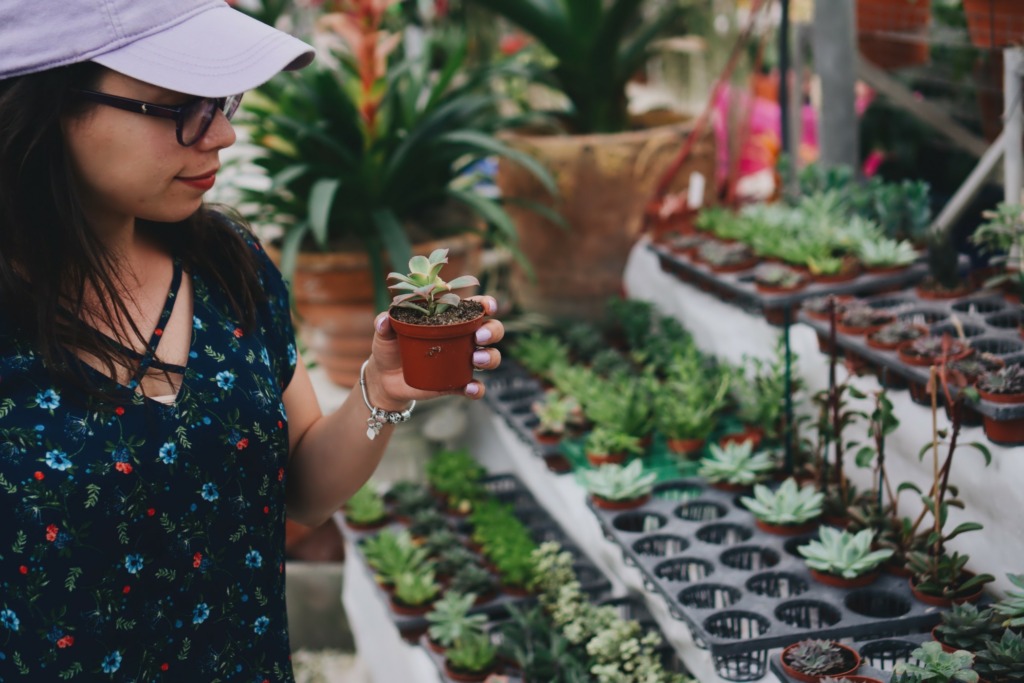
(885, 253)
(597, 47)
(945, 575)
(759, 391)
(1007, 380)
(454, 557)
(473, 652)
(1012, 605)
(815, 657)
(366, 506)
(530, 640)
(735, 463)
(416, 587)
(456, 475)
(965, 627)
(1002, 236)
(470, 577)
(553, 411)
(691, 396)
(427, 521)
(540, 353)
(450, 618)
(423, 288)
(621, 403)
(618, 482)
(842, 553)
(936, 666)
(788, 504)
(392, 553)
(609, 441)
(409, 497)
(1002, 660)
(506, 541)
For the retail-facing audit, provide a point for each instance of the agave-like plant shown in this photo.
(736, 463)
(618, 482)
(843, 554)
(788, 504)
(424, 289)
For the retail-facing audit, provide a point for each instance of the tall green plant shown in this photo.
(598, 46)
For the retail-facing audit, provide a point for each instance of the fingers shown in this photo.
(383, 326)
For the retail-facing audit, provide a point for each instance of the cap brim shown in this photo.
(216, 53)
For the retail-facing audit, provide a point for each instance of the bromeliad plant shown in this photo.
(788, 505)
(424, 290)
(843, 554)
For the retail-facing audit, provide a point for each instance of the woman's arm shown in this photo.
(330, 455)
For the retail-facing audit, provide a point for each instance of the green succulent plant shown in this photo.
(472, 578)
(736, 463)
(619, 482)
(416, 588)
(1002, 661)
(540, 353)
(815, 657)
(865, 316)
(408, 497)
(472, 652)
(450, 618)
(553, 411)
(425, 522)
(884, 253)
(898, 331)
(608, 441)
(775, 275)
(439, 541)
(965, 627)
(392, 553)
(934, 665)
(788, 504)
(842, 553)
(1006, 380)
(1011, 607)
(422, 288)
(366, 506)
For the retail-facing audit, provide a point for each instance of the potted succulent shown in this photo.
(1010, 608)
(886, 255)
(407, 498)
(365, 510)
(450, 620)
(540, 353)
(845, 560)
(1005, 385)
(470, 577)
(471, 657)
(890, 336)
(811, 660)
(863, 320)
(930, 663)
(434, 325)
(535, 646)
(1002, 236)
(1002, 660)
(788, 510)
(686, 409)
(415, 591)
(426, 522)
(735, 466)
(965, 627)
(726, 258)
(391, 554)
(553, 412)
(365, 155)
(609, 446)
(619, 487)
(440, 541)
(925, 351)
(774, 278)
(590, 61)
(455, 477)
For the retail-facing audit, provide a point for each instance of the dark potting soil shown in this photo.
(466, 310)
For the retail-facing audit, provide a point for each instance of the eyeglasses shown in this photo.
(192, 119)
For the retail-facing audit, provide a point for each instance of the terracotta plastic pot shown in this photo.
(630, 504)
(599, 459)
(842, 582)
(939, 601)
(850, 655)
(437, 357)
(1003, 432)
(399, 607)
(957, 351)
(886, 346)
(684, 446)
(466, 676)
(787, 529)
(935, 637)
(372, 526)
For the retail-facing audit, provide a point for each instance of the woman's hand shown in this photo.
(384, 378)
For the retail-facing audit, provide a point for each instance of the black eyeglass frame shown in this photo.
(227, 105)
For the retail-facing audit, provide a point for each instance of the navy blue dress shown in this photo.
(147, 543)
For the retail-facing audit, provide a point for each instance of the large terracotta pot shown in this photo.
(905, 20)
(334, 305)
(605, 182)
(994, 24)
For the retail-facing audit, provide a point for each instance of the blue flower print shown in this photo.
(120, 454)
(210, 492)
(58, 460)
(48, 399)
(265, 357)
(133, 563)
(253, 560)
(197, 323)
(169, 453)
(112, 662)
(293, 356)
(201, 613)
(260, 626)
(225, 379)
(9, 620)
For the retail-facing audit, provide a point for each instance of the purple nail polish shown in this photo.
(472, 389)
(483, 335)
(481, 358)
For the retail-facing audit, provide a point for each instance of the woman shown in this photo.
(156, 423)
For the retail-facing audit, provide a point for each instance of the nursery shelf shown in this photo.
(739, 286)
(741, 591)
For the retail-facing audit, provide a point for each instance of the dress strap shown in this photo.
(154, 340)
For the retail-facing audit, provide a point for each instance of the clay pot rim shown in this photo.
(808, 678)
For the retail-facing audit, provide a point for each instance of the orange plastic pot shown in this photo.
(437, 357)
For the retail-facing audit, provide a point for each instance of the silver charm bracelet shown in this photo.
(378, 416)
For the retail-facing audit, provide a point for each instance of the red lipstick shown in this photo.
(201, 182)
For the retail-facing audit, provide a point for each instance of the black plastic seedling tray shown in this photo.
(878, 657)
(630, 607)
(508, 489)
(742, 591)
(989, 323)
(740, 285)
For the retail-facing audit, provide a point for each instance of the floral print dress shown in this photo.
(146, 543)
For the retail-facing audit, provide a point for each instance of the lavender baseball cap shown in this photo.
(196, 47)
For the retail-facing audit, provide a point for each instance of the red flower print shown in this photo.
(51, 532)
(266, 509)
(39, 476)
(23, 569)
(165, 666)
(280, 473)
(151, 511)
(119, 410)
(280, 425)
(66, 641)
(238, 332)
(126, 590)
(197, 560)
(123, 467)
(242, 444)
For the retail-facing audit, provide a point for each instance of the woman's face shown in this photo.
(130, 166)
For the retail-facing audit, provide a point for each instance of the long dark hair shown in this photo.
(49, 256)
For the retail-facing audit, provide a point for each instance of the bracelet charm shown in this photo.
(378, 416)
